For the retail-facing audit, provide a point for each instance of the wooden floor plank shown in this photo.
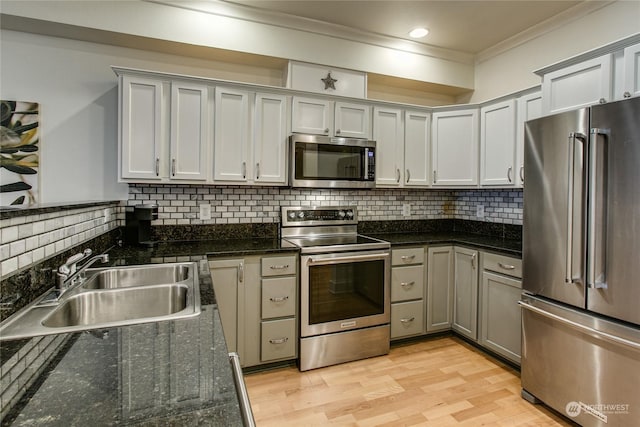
(436, 382)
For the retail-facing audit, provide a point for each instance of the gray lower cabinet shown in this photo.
(258, 303)
(500, 317)
(465, 292)
(440, 275)
(407, 292)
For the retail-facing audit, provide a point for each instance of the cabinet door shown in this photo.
(141, 128)
(189, 138)
(529, 108)
(312, 116)
(632, 71)
(498, 144)
(576, 86)
(270, 139)
(231, 139)
(416, 148)
(500, 315)
(455, 148)
(439, 288)
(352, 120)
(465, 290)
(388, 132)
(227, 276)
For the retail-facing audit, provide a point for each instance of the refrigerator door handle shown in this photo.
(596, 273)
(583, 328)
(573, 136)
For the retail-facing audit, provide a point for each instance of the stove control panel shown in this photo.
(319, 215)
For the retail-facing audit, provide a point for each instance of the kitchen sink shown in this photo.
(108, 297)
(111, 278)
(119, 306)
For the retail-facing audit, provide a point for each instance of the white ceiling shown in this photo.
(462, 26)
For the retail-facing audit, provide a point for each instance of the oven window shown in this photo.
(328, 161)
(346, 291)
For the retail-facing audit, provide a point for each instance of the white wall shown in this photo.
(512, 70)
(77, 92)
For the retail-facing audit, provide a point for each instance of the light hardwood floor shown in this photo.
(437, 382)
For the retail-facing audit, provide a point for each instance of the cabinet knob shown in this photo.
(602, 101)
(626, 95)
(509, 173)
(522, 174)
(257, 170)
(408, 320)
(173, 167)
(244, 170)
(337, 132)
(397, 175)
(157, 166)
(408, 175)
(326, 130)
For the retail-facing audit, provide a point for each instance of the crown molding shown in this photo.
(562, 18)
(278, 19)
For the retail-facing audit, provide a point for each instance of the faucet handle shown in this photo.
(69, 266)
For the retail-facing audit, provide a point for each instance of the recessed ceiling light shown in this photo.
(417, 33)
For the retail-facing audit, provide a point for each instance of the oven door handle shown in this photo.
(339, 260)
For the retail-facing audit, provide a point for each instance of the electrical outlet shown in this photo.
(480, 211)
(406, 209)
(205, 212)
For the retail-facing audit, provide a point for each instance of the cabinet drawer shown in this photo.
(278, 339)
(279, 266)
(407, 318)
(407, 283)
(407, 256)
(278, 297)
(502, 264)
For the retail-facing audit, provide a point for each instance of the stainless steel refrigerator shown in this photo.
(581, 264)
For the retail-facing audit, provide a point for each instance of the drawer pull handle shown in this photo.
(407, 284)
(407, 257)
(409, 320)
(278, 299)
(279, 340)
(507, 266)
(279, 267)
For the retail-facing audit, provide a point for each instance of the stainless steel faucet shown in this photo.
(71, 275)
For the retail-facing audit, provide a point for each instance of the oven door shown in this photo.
(344, 291)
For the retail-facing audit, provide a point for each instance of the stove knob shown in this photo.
(349, 213)
(292, 215)
(301, 214)
(342, 214)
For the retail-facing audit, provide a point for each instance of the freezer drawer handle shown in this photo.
(575, 325)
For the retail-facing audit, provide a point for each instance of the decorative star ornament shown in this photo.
(329, 82)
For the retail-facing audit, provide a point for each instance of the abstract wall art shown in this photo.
(19, 153)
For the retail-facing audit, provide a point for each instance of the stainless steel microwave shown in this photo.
(325, 162)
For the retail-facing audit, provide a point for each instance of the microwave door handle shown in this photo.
(350, 258)
(597, 211)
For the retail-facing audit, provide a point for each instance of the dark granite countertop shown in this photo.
(174, 372)
(163, 373)
(502, 245)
